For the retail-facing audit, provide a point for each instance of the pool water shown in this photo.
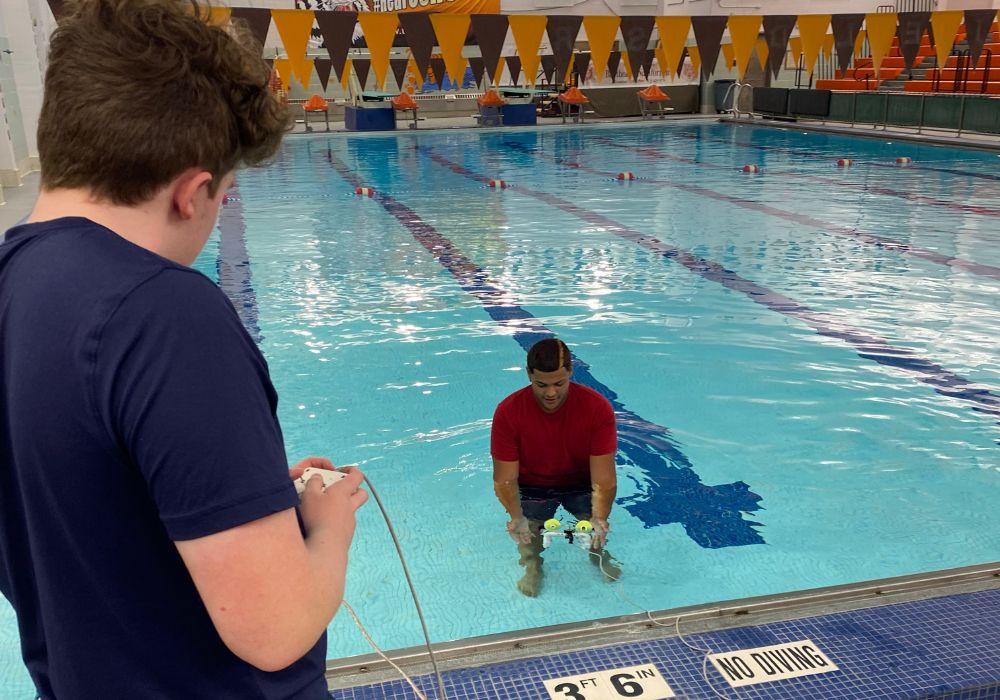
(804, 361)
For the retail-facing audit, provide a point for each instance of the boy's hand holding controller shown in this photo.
(329, 499)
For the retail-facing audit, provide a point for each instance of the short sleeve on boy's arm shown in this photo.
(604, 438)
(503, 439)
(180, 386)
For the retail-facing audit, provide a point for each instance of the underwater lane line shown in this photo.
(233, 264)
(671, 491)
(882, 242)
(824, 156)
(867, 346)
(659, 154)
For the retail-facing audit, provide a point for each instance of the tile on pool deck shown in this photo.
(945, 648)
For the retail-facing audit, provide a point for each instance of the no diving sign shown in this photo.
(774, 663)
(636, 682)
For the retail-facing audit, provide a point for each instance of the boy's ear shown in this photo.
(187, 188)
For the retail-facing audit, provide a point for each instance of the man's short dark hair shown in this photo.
(549, 355)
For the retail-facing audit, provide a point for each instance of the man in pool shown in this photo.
(553, 443)
(152, 543)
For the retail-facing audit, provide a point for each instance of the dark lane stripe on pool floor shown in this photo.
(712, 516)
(882, 242)
(868, 346)
(659, 154)
(794, 150)
(233, 264)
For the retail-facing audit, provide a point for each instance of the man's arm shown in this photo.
(271, 593)
(604, 485)
(505, 486)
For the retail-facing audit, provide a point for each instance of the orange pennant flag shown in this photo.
(828, 46)
(527, 31)
(945, 25)
(601, 32)
(451, 31)
(661, 60)
(812, 30)
(795, 47)
(744, 29)
(379, 29)
(674, 32)
(294, 27)
(305, 78)
(859, 43)
(284, 68)
(346, 75)
(729, 55)
(219, 16)
(762, 52)
(695, 55)
(881, 27)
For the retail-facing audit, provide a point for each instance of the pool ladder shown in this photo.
(737, 90)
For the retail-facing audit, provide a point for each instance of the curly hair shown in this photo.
(138, 91)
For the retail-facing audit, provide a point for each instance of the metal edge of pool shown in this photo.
(507, 646)
(880, 135)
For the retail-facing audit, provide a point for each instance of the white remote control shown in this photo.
(329, 477)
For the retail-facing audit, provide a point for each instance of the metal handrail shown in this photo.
(986, 71)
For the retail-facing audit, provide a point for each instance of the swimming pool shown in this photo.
(804, 361)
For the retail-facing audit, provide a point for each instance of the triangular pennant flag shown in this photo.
(419, 37)
(438, 69)
(362, 67)
(478, 66)
(58, 7)
(777, 29)
(795, 47)
(743, 29)
(379, 29)
(601, 31)
(636, 32)
(284, 68)
(219, 14)
(912, 26)
(977, 26)
(527, 31)
(647, 62)
(812, 31)
(549, 67)
(499, 72)
(762, 52)
(859, 43)
(708, 35)
(451, 31)
(666, 70)
(256, 19)
(323, 66)
(945, 28)
(337, 29)
(305, 77)
(294, 27)
(491, 32)
(728, 55)
(581, 62)
(673, 36)
(398, 66)
(881, 28)
(680, 63)
(845, 32)
(828, 46)
(562, 31)
(514, 66)
(346, 74)
(694, 53)
(614, 61)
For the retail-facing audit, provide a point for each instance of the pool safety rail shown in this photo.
(694, 619)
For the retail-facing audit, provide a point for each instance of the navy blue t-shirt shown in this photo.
(135, 411)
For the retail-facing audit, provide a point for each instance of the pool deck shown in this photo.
(927, 636)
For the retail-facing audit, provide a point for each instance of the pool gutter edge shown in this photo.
(476, 651)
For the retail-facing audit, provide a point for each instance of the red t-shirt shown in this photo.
(554, 449)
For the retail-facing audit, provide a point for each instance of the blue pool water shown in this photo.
(804, 362)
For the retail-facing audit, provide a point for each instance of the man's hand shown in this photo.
(600, 535)
(307, 463)
(519, 531)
